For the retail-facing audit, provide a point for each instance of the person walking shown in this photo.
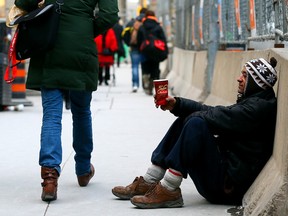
(150, 66)
(107, 46)
(129, 36)
(118, 29)
(222, 148)
(70, 66)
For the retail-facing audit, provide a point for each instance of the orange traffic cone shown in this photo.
(18, 87)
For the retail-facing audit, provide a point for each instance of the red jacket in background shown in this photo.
(111, 43)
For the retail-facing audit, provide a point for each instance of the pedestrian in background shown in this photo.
(118, 29)
(107, 46)
(150, 66)
(129, 36)
(72, 65)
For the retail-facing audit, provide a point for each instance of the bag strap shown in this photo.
(103, 41)
(11, 69)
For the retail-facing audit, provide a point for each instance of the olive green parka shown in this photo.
(73, 63)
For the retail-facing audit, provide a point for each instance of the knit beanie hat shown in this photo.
(262, 72)
(261, 75)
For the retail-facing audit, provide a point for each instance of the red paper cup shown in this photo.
(161, 90)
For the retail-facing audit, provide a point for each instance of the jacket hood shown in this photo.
(150, 22)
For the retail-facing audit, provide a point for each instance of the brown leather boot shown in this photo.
(84, 179)
(145, 81)
(50, 177)
(159, 197)
(138, 187)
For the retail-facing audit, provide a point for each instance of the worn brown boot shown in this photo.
(138, 187)
(50, 183)
(159, 197)
(84, 179)
(145, 81)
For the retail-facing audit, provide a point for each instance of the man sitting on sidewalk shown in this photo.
(222, 148)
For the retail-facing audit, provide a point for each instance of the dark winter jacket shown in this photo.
(73, 62)
(150, 26)
(244, 131)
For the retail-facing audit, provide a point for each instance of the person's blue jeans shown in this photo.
(51, 146)
(136, 58)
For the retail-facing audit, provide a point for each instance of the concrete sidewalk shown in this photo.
(126, 126)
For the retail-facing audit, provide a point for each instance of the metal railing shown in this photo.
(240, 22)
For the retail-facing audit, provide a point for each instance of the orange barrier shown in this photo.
(18, 86)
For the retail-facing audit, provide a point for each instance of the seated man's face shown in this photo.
(242, 81)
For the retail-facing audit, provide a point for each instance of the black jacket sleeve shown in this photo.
(239, 118)
(185, 107)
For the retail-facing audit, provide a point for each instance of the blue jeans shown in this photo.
(136, 58)
(51, 146)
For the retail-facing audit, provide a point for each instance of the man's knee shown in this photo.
(193, 121)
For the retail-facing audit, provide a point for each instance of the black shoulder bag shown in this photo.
(35, 34)
(37, 30)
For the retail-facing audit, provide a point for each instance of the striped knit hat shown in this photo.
(262, 72)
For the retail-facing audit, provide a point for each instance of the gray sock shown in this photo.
(154, 174)
(172, 179)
